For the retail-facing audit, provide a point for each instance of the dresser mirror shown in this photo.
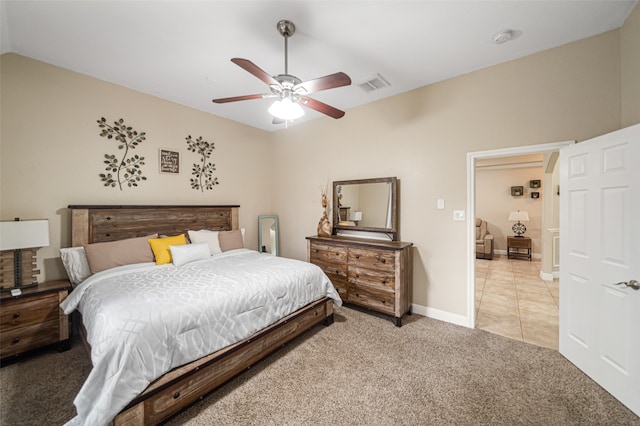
(369, 205)
(268, 234)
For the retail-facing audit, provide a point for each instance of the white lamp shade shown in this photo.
(519, 216)
(286, 110)
(355, 216)
(21, 234)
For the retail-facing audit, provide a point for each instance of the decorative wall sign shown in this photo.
(517, 191)
(534, 183)
(169, 161)
(535, 195)
(203, 172)
(125, 168)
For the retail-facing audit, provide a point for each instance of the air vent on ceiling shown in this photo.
(377, 82)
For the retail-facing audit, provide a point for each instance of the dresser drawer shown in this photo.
(384, 280)
(379, 260)
(328, 254)
(20, 313)
(378, 299)
(332, 260)
(29, 337)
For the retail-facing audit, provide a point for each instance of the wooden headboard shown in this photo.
(94, 224)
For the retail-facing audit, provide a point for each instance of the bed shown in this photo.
(162, 337)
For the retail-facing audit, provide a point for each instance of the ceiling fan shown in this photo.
(290, 91)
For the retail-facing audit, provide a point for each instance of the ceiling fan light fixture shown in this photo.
(285, 109)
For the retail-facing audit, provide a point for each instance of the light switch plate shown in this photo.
(458, 215)
(440, 203)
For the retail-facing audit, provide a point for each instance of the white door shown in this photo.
(600, 261)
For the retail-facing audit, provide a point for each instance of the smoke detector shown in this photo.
(503, 37)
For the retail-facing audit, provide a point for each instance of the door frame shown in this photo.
(471, 208)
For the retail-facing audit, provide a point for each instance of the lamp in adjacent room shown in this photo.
(355, 217)
(19, 240)
(518, 228)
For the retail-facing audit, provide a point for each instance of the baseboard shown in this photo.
(549, 277)
(440, 315)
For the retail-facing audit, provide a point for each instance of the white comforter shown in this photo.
(144, 320)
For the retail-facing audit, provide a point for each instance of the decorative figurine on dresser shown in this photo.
(373, 272)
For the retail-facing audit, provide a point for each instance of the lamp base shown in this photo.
(18, 269)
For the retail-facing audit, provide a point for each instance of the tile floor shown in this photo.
(512, 301)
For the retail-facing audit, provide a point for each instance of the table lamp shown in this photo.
(519, 228)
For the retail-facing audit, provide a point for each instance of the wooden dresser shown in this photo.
(33, 319)
(374, 274)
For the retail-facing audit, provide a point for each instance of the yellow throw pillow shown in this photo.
(160, 247)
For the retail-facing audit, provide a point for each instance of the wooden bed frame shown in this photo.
(179, 388)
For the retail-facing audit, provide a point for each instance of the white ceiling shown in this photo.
(181, 50)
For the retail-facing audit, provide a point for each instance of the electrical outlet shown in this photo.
(458, 215)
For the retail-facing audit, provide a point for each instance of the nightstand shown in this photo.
(33, 319)
(519, 248)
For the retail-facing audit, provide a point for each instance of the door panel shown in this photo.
(599, 211)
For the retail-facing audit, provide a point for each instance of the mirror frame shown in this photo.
(275, 219)
(392, 231)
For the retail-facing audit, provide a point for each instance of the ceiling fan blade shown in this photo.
(252, 68)
(322, 107)
(338, 79)
(241, 98)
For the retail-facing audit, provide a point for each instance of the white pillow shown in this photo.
(189, 253)
(75, 263)
(206, 236)
(210, 237)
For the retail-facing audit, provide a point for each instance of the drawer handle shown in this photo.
(337, 272)
(357, 256)
(16, 315)
(16, 340)
(176, 395)
(108, 217)
(383, 260)
(357, 276)
(337, 253)
(108, 235)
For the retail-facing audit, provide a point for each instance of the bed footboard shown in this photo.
(185, 385)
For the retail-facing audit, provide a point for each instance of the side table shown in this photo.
(34, 319)
(519, 248)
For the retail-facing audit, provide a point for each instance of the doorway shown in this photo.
(472, 159)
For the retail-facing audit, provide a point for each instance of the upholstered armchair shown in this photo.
(484, 241)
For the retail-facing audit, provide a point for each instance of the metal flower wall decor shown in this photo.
(202, 172)
(123, 169)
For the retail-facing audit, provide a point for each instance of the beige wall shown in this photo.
(423, 136)
(52, 154)
(494, 202)
(630, 68)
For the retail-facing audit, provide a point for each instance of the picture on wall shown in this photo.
(517, 191)
(169, 161)
(534, 183)
(535, 195)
